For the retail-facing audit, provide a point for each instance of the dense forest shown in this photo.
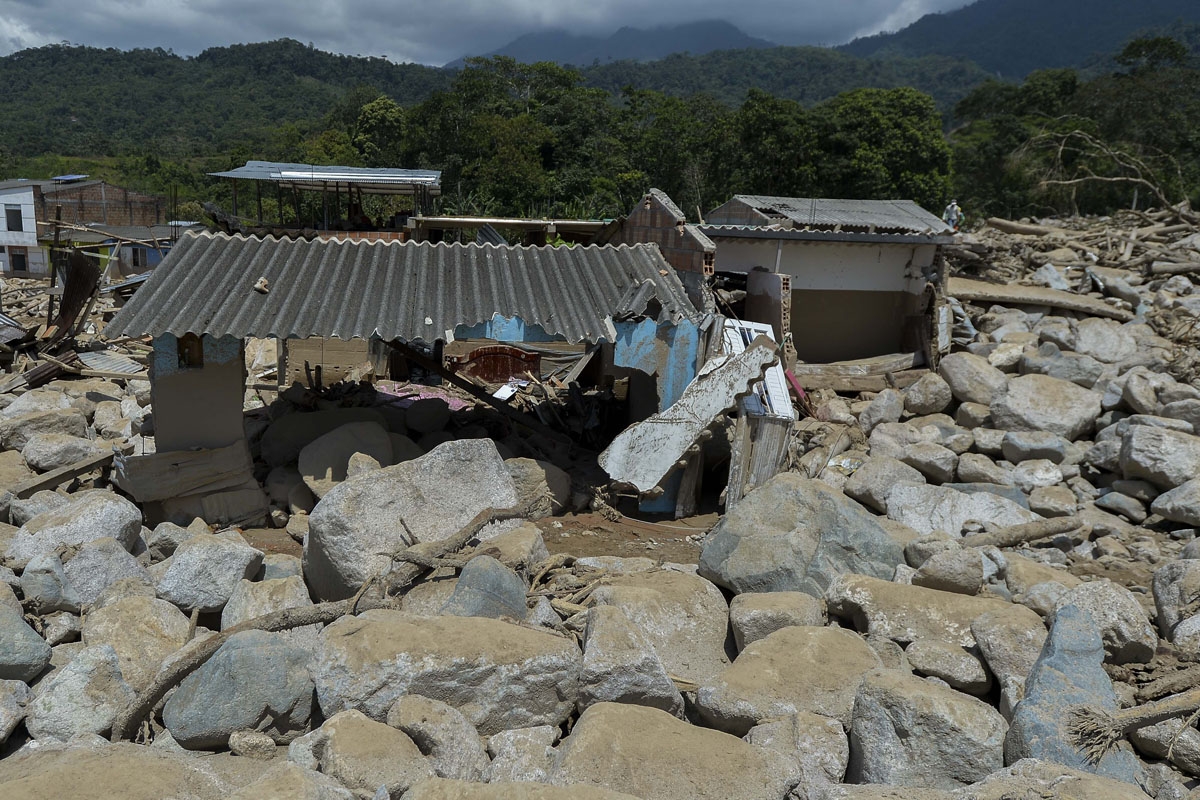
(543, 139)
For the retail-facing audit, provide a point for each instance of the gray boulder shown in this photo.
(939, 508)
(817, 745)
(794, 534)
(1181, 504)
(363, 755)
(1122, 624)
(99, 564)
(794, 669)
(1068, 673)
(144, 632)
(683, 616)
(44, 584)
(85, 696)
(47, 451)
(23, 654)
(1104, 340)
(755, 615)
(1163, 457)
(255, 598)
(620, 665)
(323, 462)
(543, 487)
(487, 588)
(257, 681)
(950, 663)
(1176, 593)
(86, 517)
(1019, 446)
(443, 735)
(1010, 640)
(14, 697)
(887, 406)
(286, 780)
(1042, 403)
(205, 571)
(873, 482)
(432, 496)
(911, 732)
(15, 432)
(497, 674)
(652, 755)
(972, 379)
(930, 394)
(522, 755)
(287, 436)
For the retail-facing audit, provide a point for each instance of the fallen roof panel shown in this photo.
(406, 290)
(864, 216)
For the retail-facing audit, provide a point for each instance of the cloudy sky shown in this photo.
(426, 31)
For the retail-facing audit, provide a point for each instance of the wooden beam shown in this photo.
(54, 478)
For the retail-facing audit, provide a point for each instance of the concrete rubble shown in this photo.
(918, 607)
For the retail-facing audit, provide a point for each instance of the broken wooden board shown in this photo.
(163, 476)
(973, 291)
(57, 477)
(877, 365)
(647, 452)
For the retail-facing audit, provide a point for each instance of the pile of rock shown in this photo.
(915, 612)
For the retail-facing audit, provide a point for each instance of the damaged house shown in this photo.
(214, 291)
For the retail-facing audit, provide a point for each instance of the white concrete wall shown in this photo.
(26, 237)
(831, 265)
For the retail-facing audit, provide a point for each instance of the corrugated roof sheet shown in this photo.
(411, 291)
(317, 175)
(810, 235)
(862, 216)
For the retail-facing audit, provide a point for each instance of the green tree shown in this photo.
(381, 133)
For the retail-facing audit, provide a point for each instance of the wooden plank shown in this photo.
(973, 291)
(877, 365)
(115, 376)
(54, 478)
(862, 383)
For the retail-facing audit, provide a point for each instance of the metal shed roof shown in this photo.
(851, 216)
(313, 176)
(406, 290)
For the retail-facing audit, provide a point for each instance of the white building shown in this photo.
(20, 254)
(839, 280)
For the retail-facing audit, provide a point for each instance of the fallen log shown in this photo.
(129, 721)
(1022, 228)
(1024, 533)
(1095, 731)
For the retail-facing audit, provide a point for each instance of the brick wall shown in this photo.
(654, 221)
(97, 201)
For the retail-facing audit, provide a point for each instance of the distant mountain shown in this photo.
(1011, 38)
(627, 44)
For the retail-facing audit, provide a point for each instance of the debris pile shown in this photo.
(984, 585)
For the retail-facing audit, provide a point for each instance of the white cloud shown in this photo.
(417, 30)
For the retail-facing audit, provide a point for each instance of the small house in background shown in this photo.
(838, 280)
(120, 250)
(20, 255)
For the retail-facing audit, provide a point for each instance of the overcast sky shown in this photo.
(426, 31)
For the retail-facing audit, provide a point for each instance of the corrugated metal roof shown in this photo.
(862, 216)
(109, 362)
(315, 175)
(411, 291)
(717, 232)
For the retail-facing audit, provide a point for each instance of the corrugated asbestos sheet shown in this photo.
(867, 216)
(411, 291)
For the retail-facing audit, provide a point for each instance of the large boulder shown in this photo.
(363, 755)
(205, 571)
(1104, 340)
(543, 487)
(795, 534)
(14, 697)
(1068, 673)
(255, 598)
(683, 616)
(289, 781)
(939, 508)
(873, 482)
(23, 654)
(755, 616)
(652, 755)
(370, 515)
(1042, 403)
(487, 588)
(1122, 624)
(794, 669)
(911, 732)
(972, 379)
(620, 665)
(287, 436)
(15, 432)
(498, 675)
(85, 696)
(86, 517)
(324, 460)
(47, 451)
(143, 631)
(443, 734)
(906, 613)
(99, 564)
(1164, 457)
(53, 771)
(444, 789)
(256, 680)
